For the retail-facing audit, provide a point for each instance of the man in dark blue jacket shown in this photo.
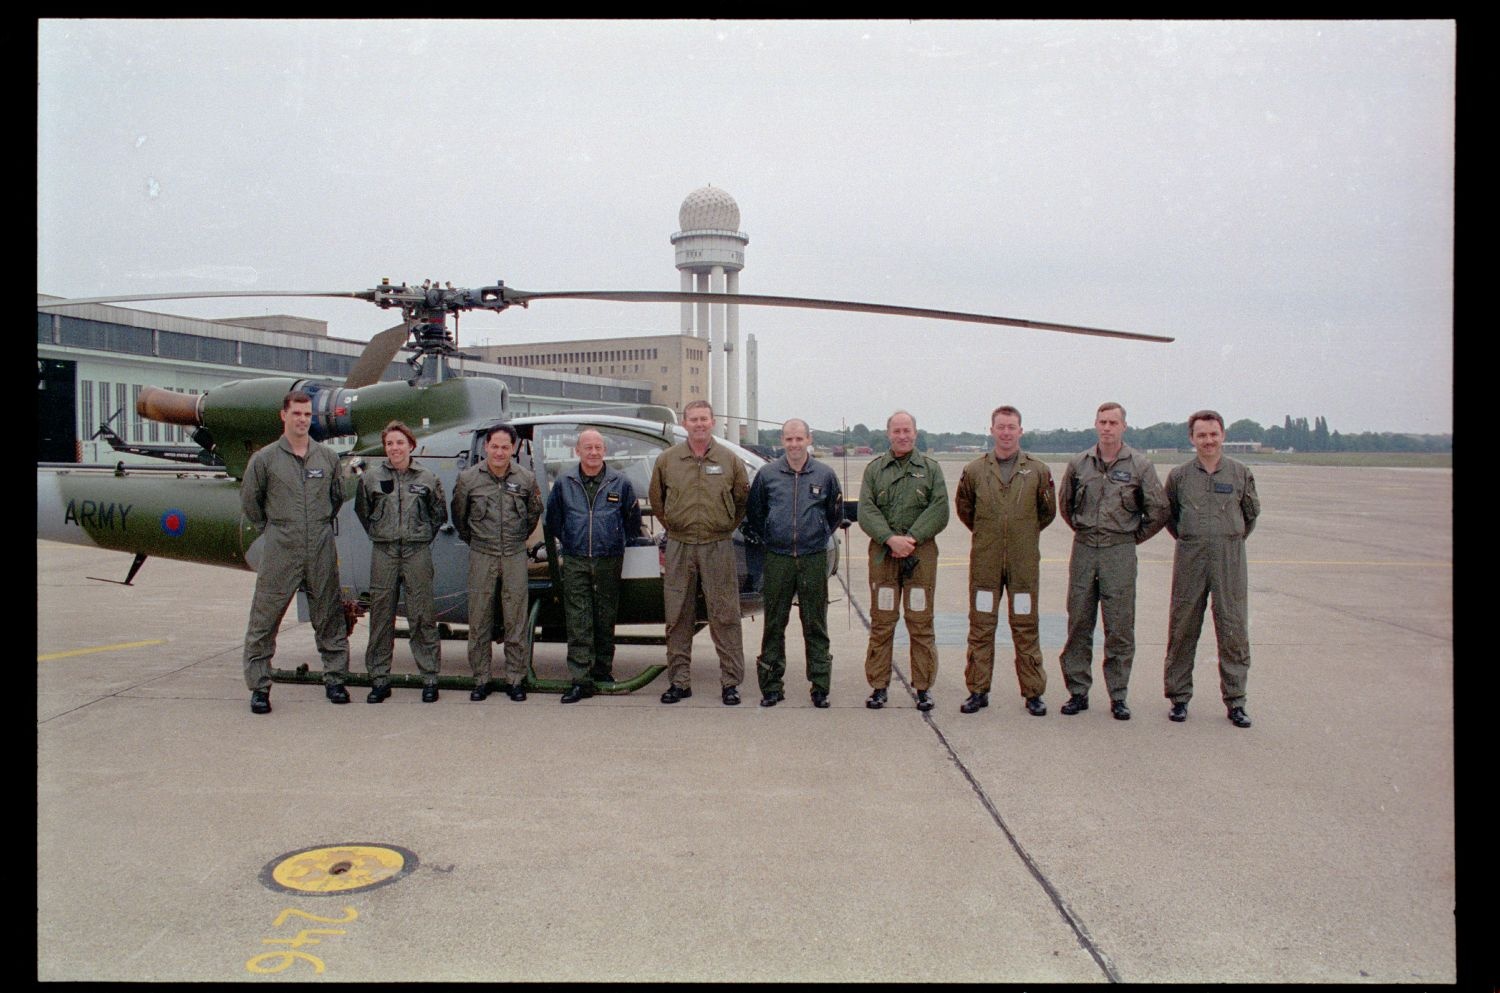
(592, 514)
(795, 504)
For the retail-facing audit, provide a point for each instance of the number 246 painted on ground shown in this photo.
(269, 963)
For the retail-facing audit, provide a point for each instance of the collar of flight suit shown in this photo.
(1205, 469)
(714, 453)
(286, 446)
(913, 458)
(1125, 452)
(509, 468)
(412, 465)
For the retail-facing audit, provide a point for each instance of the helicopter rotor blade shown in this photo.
(370, 365)
(142, 297)
(500, 297)
(523, 297)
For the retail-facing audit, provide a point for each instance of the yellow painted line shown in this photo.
(955, 562)
(1384, 562)
(102, 648)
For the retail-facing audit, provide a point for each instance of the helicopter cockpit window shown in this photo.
(628, 452)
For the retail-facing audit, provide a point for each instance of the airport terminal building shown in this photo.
(676, 365)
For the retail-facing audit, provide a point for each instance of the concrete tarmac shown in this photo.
(620, 839)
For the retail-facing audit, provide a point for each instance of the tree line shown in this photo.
(1294, 433)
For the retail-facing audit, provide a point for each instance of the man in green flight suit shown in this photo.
(291, 494)
(1111, 498)
(1213, 510)
(400, 505)
(903, 504)
(496, 504)
(1005, 497)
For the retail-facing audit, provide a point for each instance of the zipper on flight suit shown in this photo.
(796, 485)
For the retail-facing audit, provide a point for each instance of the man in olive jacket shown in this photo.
(400, 505)
(903, 504)
(496, 504)
(698, 491)
(1111, 498)
(1214, 509)
(292, 494)
(1005, 497)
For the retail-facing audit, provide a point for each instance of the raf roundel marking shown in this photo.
(173, 522)
(332, 870)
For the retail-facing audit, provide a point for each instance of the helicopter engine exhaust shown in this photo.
(169, 407)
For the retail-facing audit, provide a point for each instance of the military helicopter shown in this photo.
(188, 507)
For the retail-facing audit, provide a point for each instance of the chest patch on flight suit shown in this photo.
(713, 470)
(512, 487)
(1223, 487)
(417, 488)
(315, 474)
(1120, 475)
(611, 498)
(816, 489)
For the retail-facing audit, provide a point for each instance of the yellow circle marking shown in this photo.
(338, 869)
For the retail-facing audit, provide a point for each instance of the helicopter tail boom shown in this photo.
(190, 517)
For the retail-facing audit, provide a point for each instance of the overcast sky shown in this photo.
(1276, 195)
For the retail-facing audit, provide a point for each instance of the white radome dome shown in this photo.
(709, 209)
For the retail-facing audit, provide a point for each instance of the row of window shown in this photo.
(613, 370)
(547, 359)
(102, 336)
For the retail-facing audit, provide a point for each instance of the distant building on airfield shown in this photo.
(674, 367)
